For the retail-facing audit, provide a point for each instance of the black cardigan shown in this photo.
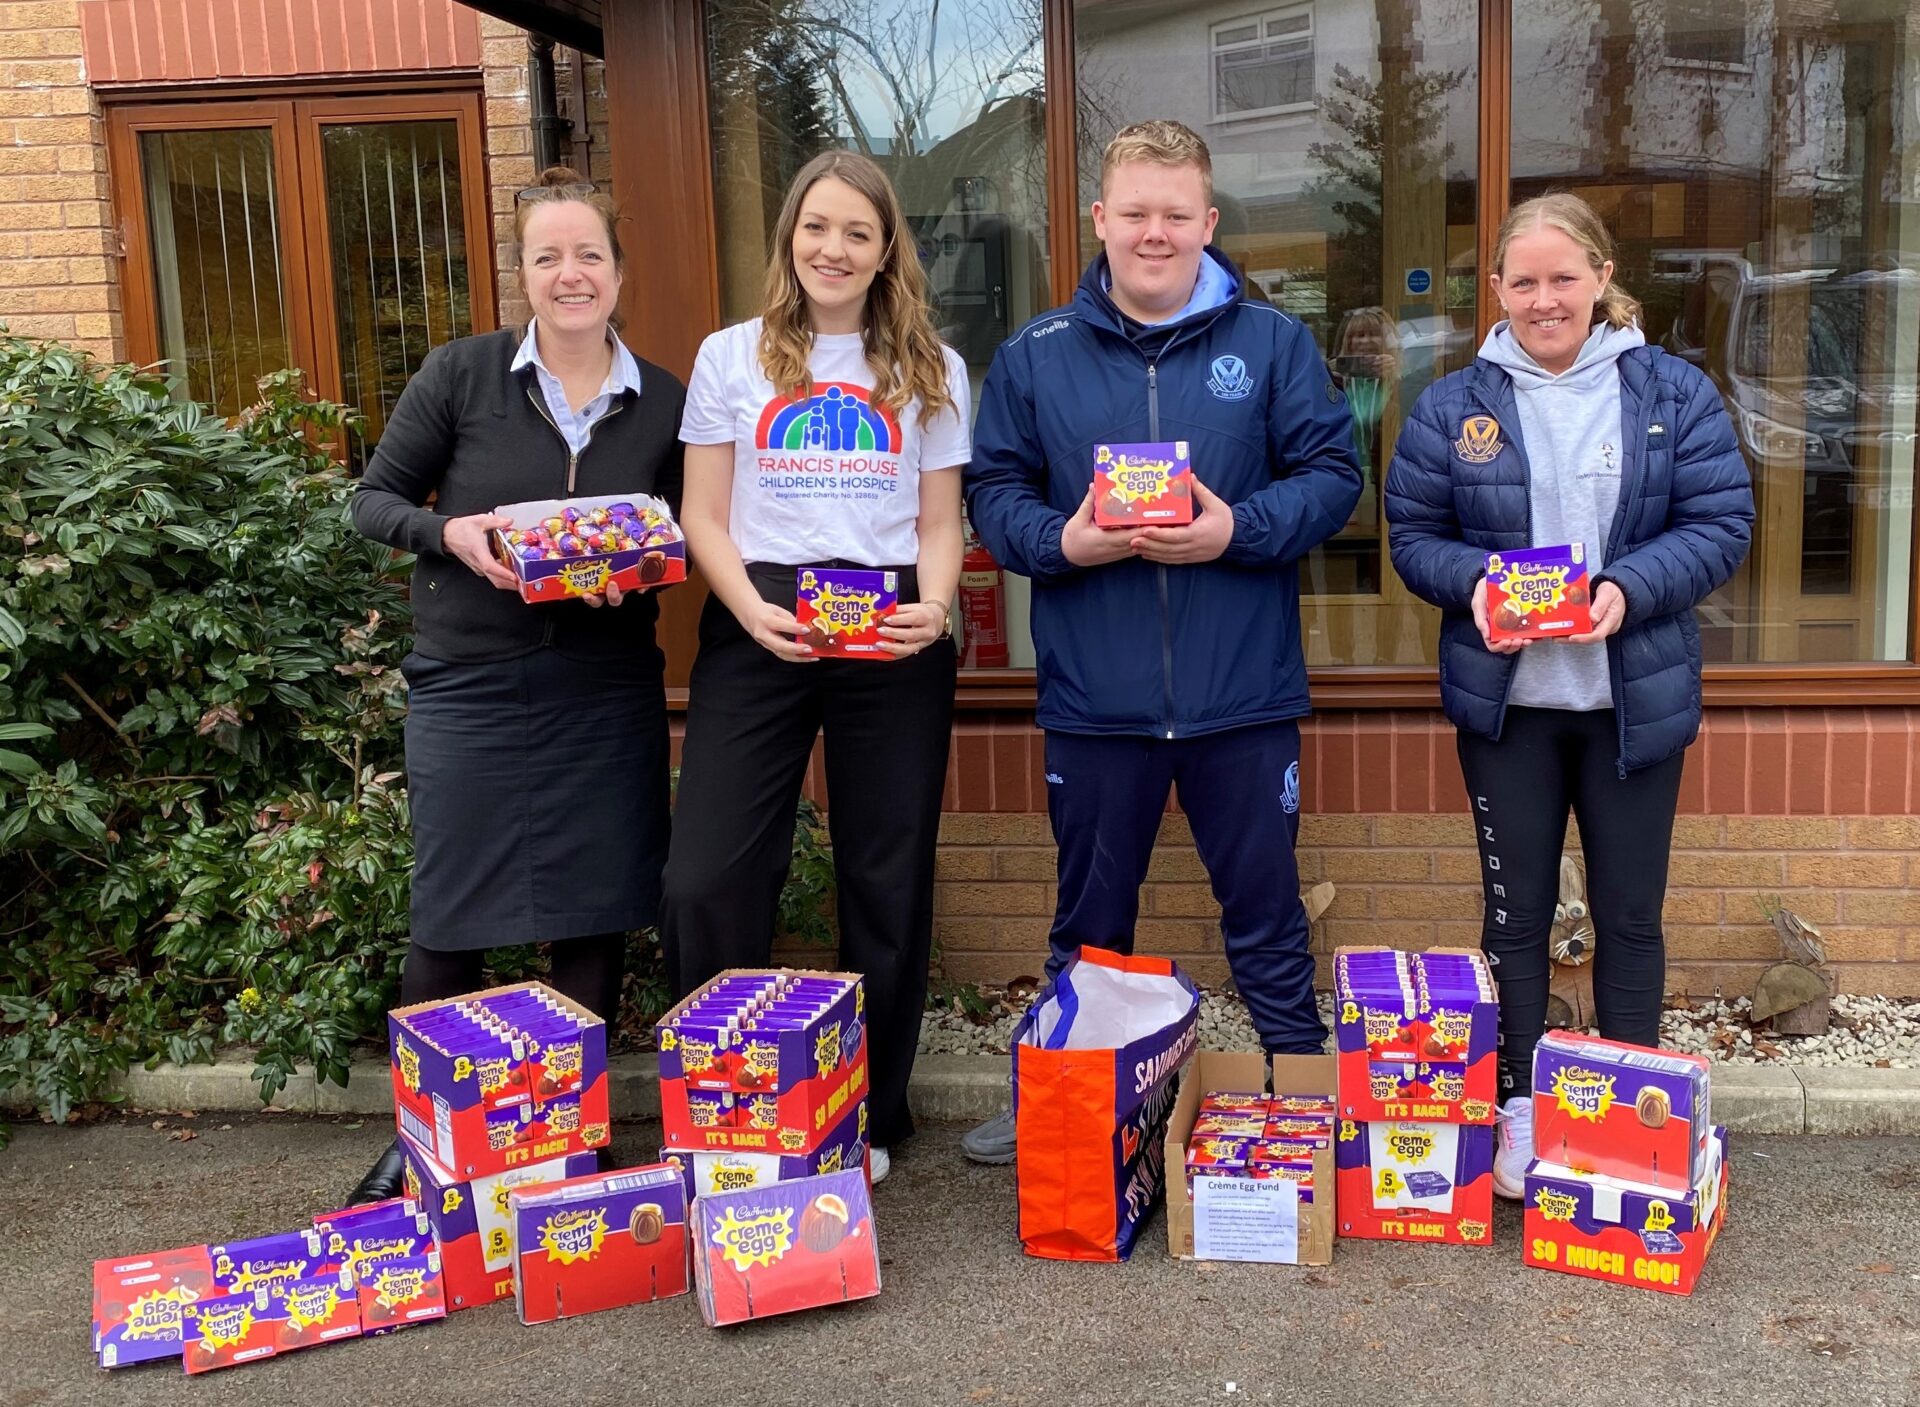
(477, 434)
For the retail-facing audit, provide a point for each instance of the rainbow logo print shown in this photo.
(836, 416)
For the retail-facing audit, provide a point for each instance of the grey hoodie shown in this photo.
(1570, 427)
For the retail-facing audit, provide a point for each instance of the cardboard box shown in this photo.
(1538, 593)
(1400, 1180)
(659, 561)
(404, 1291)
(1422, 1051)
(780, 1091)
(1142, 485)
(1212, 1071)
(787, 1247)
(396, 1229)
(241, 1266)
(842, 609)
(498, 1079)
(271, 1319)
(470, 1222)
(707, 1173)
(601, 1242)
(1628, 1233)
(141, 1304)
(1626, 1111)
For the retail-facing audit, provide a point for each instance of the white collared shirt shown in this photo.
(576, 427)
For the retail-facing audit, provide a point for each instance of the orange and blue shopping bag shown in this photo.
(1094, 1066)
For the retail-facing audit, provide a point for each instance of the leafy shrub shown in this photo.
(203, 832)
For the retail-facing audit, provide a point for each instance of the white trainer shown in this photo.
(1513, 1147)
(878, 1165)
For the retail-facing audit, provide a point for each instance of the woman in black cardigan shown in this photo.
(537, 767)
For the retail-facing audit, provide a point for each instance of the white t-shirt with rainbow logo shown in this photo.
(829, 475)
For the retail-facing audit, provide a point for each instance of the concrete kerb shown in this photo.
(968, 1088)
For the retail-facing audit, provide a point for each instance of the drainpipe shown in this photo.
(549, 127)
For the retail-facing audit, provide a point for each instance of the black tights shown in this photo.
(586, 969)
(1520, 789)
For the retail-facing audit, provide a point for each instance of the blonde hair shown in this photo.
(1160, 143)
(1579, 222)
(896, 333)
(560, 185)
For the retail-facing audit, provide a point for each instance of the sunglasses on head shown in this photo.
(573, 190)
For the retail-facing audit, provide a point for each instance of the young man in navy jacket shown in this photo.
(1168, 656)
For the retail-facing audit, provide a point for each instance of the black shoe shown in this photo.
(384, 1179)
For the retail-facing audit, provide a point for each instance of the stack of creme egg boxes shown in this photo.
(1416, 1037)
(1277, 1137)
(494, 1090)
(763, 1097)
(1629, 1177)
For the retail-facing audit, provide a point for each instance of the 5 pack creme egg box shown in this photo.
(598, 1242)
(785, 1247)
(499, 1079)
(270, 1319)
(841, 610)
(1148, 484)
(763, 1061)
(1621, 1110)
(471, 1221)
(1403, 1180)
(1538, 593)
(565, 548)
(1416, 1035)
(706, 1173)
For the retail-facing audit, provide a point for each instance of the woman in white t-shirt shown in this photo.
(828, 433)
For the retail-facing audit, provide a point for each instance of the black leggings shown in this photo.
(586, 969)
(1520, 790)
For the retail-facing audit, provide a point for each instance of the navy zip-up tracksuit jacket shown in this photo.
(1132, 647)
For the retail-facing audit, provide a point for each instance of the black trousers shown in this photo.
(1521, 788)
(587, 969)
(751, 723)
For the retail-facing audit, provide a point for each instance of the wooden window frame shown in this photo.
(295, 114)
(657, 82)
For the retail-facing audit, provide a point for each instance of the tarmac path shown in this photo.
(1811, 1296)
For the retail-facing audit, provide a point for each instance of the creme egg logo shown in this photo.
(398, 1285)
(1555, 1206)
(586, 575)
(1449, 1085)
(731, 1177)
(844, 611)
(1134, 476)
(1535, 590)
(1410, 1145)
(308, 1305)
(758, 1239)
(826, 1049)
(1583, 1094)
(157, 1316)
(1383, 1025)
(409, 1059)
(761, 1058)
(564, 1060)
(573, 1236)
(226, 1326)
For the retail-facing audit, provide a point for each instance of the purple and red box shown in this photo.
(470, 1222)
(1403, 1180)
(709, 1172)
(271, 1319)
(655, 554)
(763, 1062)
(785, 1247)
(356, 1237)
(1538, 593)
(841, 610)
(1622, 1110)
(1416, 1035)
(401, 1291)
(600, 1242)
(499, 1079)
(1626, 1232)
(140, 1304)
(1143, 485)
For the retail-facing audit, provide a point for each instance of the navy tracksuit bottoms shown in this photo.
(1106, 797)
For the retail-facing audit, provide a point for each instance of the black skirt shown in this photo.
(539, 793)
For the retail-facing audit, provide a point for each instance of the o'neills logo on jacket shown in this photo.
(833, 437)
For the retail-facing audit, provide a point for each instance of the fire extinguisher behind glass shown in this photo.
(983, 607)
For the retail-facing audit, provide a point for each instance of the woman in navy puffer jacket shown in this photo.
(1569, 429)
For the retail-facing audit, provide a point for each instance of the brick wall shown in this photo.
(1824, 825)
(57, 278)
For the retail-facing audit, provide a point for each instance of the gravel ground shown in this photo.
(1866, 1031)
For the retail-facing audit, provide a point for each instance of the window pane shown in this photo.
(213, 218)
(1768, 217)
(949, 100)
(1358, 218)
(395, 219)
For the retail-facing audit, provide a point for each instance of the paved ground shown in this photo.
(1812, 1296)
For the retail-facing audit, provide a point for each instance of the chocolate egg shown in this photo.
(599, 516)
(1575, 594)
(569, 545)
(823, 1225)
(647, 1223)
(623, 508)
(531, 553)
(554, 526)
(1507, 619)
(653, 567)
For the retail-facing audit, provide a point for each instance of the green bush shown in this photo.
(203, 835)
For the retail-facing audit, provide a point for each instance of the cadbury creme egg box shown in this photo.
(1538, 593)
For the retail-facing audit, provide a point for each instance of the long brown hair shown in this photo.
(1582, 224)
(897, 333)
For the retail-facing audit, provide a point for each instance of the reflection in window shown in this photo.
(949, 100)
(1355, 214)
(1766, 203)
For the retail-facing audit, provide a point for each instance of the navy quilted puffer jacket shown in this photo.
(1683, 525)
